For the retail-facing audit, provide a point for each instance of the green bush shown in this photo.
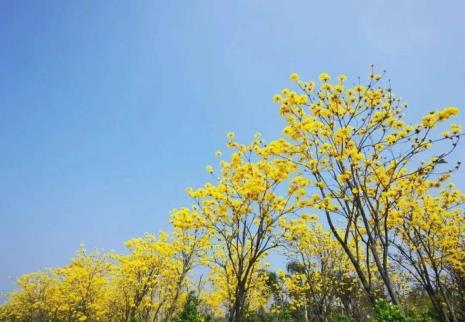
(342, 318)
(388, 312)
(190, 311)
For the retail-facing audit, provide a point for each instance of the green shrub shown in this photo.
(342, 318)
(190, 311)
(388, 312)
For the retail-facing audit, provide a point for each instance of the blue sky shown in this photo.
(110, 109)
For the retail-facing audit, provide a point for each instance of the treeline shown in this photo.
(357, 199)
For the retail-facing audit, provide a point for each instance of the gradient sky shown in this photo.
(110, 109)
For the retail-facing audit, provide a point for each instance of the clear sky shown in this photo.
(110, 109)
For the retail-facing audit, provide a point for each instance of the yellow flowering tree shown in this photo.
(322, 280)
(357, 150)
(223, 286)
(140, 276)
(241, 211)
(191, 242)
(429, 234)
(75, 292)
(37, 299)
(83, 287)
(151, 281)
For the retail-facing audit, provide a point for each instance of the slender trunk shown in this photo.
(306, 312)
(358, 270)
(237, 313)
(439, 308)
(450, 307)
(381, 266)
(173, 307)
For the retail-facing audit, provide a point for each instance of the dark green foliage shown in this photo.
(190, 312)
(269, 317)
(342, 318)
(259, 317)
(388, 312)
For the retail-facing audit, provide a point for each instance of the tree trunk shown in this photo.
(237, 312)
(439, 308)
